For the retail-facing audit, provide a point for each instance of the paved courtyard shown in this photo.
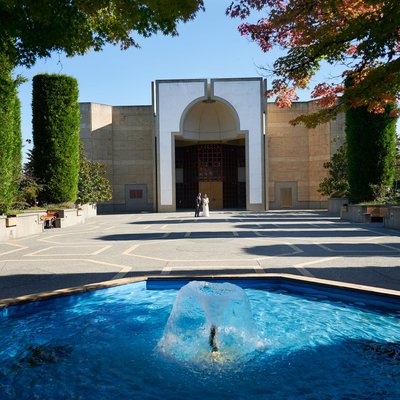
(307, 243)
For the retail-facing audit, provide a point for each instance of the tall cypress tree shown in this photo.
(10, 135)
(17, 142)
(56, 125)
(371, 151)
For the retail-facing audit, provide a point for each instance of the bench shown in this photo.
(375, 214)
(49, 220)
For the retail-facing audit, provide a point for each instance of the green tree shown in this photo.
(10, 136)
(360, 36)
(397, 174)
(33, 29)
(371, 152)
(56, 126)
(336, 183)
(29, 188)
(93, 186)
(17, 141)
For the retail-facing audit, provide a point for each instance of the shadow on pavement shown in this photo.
(256, 233)
(329, 250)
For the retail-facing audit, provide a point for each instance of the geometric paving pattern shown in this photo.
(306, 242)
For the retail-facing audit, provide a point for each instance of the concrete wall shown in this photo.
(30, 223)
(97, 136)
(75, 216)
(21, 225)
(69, 217)
(296, 155)
(392, 220)
(133, 156)
(370, 213)
(335, 206)
(88, 210)
(122, 138)
(354, 213)
(96, 131)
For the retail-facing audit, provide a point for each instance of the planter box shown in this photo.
(32, 223)
(335, 205)
(364, 213)
(392, 219)
(89, 210)
(24, 224)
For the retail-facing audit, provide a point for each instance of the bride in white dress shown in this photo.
(206, 210)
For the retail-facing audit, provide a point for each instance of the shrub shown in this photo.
(29, 188)
(93, 185)
(10, 136)
(56, 126)
(336, 183)
(371, 151)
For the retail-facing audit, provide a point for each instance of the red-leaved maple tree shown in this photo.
(361, 35)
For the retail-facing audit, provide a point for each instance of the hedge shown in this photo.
(371, 151)
(56, 126)
(10, 136)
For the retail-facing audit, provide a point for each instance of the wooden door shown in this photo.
(214, 191)
(286, 198)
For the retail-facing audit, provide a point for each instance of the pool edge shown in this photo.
(36, 297)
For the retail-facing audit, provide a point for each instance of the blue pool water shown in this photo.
(105, 345)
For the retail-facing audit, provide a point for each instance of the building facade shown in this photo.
(216, 136)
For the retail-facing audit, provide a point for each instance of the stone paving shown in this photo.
(307, 243)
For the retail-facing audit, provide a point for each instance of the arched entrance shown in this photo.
(210, 157)
(194, 112)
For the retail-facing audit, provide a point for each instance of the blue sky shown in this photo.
(208, 47)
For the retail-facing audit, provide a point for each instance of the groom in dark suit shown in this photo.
(197, 205)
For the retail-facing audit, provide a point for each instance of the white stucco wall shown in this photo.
(172, 99)
(245, 95)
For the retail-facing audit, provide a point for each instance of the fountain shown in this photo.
(210, 322)
(147, 340)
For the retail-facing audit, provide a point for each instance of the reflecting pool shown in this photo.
(110, 344)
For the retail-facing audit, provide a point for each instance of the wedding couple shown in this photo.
(202, 203)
